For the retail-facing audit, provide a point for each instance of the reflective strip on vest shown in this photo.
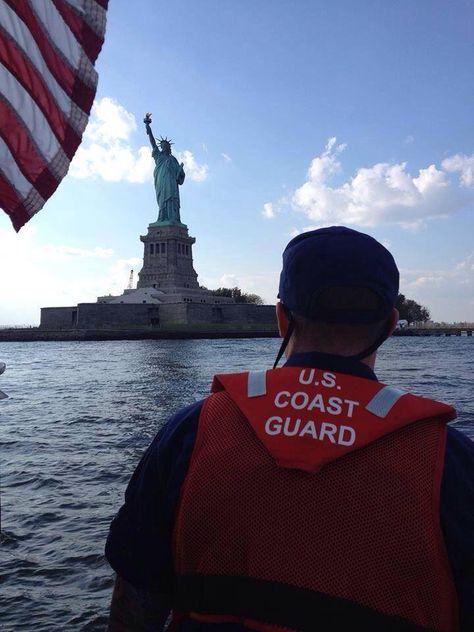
(257, 383)
(382, 403)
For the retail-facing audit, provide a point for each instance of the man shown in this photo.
(310, 497)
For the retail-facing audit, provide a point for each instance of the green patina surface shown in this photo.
(168, 176)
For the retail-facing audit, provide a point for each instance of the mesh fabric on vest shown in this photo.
(365, 528)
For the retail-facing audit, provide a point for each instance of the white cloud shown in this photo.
(268, 211)
(326, 165)
(118, 275)
(113, 163)
(107, 153)
(382, 193)
(35, 275)
(263, 284)
(462, 164)
(226, 157)
(294, 232)
(109, 122)
(193, 169)
(51, 250)
(448, 291)
(408, 140)
(228, 280)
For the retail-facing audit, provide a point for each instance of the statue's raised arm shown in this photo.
(147, 121)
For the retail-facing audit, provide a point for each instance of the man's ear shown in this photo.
(394, 317)
(282, 319)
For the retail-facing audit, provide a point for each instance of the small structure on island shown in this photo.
(168, 294)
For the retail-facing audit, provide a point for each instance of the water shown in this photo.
(80, 415)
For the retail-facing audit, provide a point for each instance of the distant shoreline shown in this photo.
(36, 334)
(186, 332)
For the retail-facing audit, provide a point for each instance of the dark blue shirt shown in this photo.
(139, 543)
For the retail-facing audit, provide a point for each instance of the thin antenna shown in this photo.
(130, 281)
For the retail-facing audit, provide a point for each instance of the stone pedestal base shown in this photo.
(168, 258)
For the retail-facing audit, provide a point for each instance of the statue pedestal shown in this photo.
(168, 258)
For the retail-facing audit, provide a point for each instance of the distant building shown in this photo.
(401, 324)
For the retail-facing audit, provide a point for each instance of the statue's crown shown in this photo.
(165, 141)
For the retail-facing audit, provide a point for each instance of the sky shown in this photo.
(288, 115)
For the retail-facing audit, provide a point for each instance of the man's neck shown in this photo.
(294, 348)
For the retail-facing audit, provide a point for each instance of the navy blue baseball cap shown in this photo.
(338, 257)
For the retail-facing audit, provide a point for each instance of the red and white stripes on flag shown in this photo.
(47, 85)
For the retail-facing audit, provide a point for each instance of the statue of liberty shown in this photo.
(168, 175)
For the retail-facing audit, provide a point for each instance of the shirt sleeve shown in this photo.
(457, 519)
(139, 542)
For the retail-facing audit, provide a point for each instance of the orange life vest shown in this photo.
(312, 502)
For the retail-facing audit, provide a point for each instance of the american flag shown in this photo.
(47, 85)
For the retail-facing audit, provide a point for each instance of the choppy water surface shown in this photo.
(80, 415)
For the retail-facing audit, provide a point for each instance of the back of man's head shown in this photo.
(338, 287)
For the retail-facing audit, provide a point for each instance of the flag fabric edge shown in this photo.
(87, 22)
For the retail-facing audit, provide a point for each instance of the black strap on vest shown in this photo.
(374, 346)
(279, 605)
(286, 339)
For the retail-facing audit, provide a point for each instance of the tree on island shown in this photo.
(411, 311)
(238, 296)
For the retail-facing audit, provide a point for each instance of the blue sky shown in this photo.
(288, 115)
